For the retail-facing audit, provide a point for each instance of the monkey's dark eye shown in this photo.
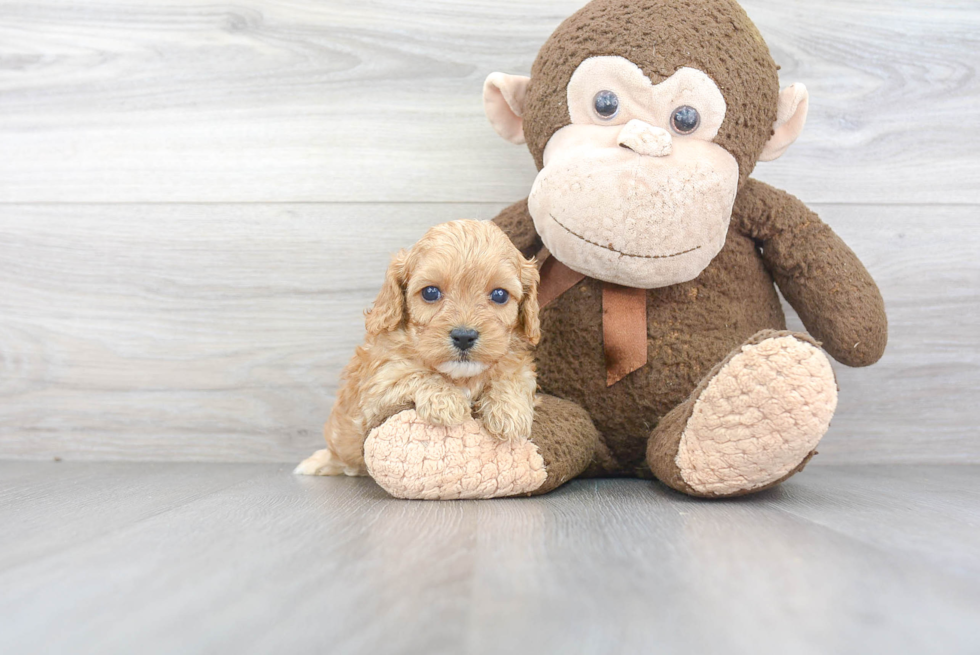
(685, 120)
(606, 104)
(499, 296)
(431, 294)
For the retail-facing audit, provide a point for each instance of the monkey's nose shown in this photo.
(645, 139)
(464, 338)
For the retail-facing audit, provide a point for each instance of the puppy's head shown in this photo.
(465, 296)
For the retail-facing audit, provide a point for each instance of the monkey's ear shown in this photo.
(389, 307)
(794, 101)
(503, 100)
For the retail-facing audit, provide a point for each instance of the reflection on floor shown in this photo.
(115, 557)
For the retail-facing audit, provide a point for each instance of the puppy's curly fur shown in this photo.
(410, 359)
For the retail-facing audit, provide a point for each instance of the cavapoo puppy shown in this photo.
(451, 333)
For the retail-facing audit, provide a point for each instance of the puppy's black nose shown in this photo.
(464, 338)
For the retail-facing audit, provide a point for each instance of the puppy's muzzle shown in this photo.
(464, 338)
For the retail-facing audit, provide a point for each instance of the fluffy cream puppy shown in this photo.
(451, 334)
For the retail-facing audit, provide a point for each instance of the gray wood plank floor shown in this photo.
(204, 558)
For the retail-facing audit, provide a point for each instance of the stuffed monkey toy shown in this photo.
(664, 350)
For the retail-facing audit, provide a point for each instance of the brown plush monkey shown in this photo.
(664, 349)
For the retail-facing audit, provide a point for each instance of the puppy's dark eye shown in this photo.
(685, 119)
(499, 296)
(431, 294)
(606, 104)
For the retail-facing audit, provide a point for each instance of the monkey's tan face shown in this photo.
(634, 191)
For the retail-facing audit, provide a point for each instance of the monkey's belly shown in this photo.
(690, 328)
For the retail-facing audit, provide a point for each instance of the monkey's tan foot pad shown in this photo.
(412, 459)
(758, 418)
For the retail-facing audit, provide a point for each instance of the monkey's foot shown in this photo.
(415, 460)
(752, 423)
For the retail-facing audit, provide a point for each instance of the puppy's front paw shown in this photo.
(507, 422)
(442, 407)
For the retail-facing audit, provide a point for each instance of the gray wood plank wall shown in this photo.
(197, 201)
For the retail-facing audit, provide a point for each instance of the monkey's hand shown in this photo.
(441, 404)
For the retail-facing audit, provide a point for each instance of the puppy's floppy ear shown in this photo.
(528, 313)
(388, 312)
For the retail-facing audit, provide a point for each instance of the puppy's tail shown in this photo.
(322, 462)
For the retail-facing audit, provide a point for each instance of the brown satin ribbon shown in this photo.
(624, 318)
(624, 330)
(556, 279)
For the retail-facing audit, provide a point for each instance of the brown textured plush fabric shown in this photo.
(566, 439)
(695, 326)
(661, 36)
(690, 327)
(820, 276)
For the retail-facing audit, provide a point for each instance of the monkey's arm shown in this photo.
(516, 223)
(818, 274)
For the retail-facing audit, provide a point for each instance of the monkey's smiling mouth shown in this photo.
(620, 252)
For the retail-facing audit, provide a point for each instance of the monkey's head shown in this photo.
(645, 117)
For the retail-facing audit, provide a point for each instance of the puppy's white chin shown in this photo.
(461, 369)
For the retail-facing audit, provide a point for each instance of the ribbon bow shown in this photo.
(624, 318)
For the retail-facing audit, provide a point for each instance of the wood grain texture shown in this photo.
(217, 332)
(64, 500)
(926, 512)
(344, 100)
(151, 307)
(175, 331)
(278, 563)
